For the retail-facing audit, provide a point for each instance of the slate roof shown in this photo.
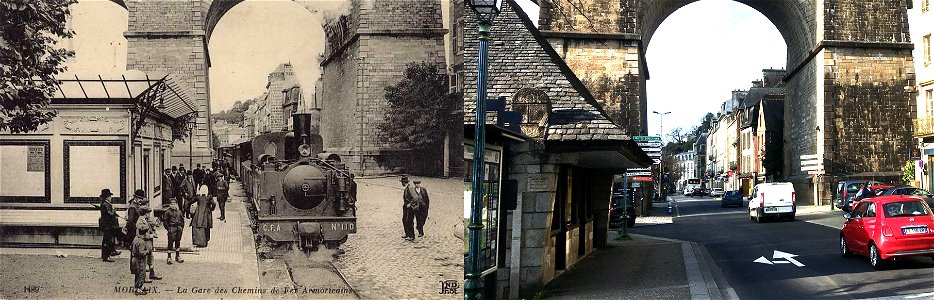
(520, 57)
(774, 110)
(751, 104)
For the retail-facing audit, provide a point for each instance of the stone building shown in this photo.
(700, 158)
(835, 62)
(281, 78)
(111, 132)
(922, 25)
(556, 173)
(686, 161)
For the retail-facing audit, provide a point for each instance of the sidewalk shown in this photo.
(217, 271)
(641, 268)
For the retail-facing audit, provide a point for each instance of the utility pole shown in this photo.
(661, 163)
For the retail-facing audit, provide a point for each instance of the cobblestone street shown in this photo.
(378, 263)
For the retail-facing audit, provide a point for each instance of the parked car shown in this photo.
(846, 190)
(700, 192)
(690, 189)
(775, 199)
(731, 198)
(887, 227)
(716, 192)
(616, 210)
(907, 190)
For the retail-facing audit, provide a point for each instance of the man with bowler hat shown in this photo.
(420, 194)
(109, 226)
(133, 213)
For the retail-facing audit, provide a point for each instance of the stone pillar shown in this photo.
(169, 37)
(367, 51)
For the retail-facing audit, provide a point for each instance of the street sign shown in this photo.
(816, 172)
(810, 157)
(812, 168)
(646, 138)
(632, 174)
(810, 162)
(777, 257)
(914, 153)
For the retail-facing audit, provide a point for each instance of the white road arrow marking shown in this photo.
(787, 256)
(762, 260)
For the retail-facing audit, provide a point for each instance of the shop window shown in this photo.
(94, 165)
(25, 177)
(491, 201)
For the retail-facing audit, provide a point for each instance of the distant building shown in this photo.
(922, 26)
(686, 160)
(292, 102)
(700, 157)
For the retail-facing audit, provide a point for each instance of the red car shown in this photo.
(887, 227)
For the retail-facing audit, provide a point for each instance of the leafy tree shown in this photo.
(29, 60)
(908, 171)
(418, 117)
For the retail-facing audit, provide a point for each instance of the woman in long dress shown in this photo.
(202, 220)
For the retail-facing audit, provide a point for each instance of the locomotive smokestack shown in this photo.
(301, 126)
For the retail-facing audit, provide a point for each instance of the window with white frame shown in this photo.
(926, 45)
(929, 99)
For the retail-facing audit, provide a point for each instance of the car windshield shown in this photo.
(905, 209)
(917, 192)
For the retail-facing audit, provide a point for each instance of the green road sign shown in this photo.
(646, 138)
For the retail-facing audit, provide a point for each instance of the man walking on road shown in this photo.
(408, 211)
(421, 214)
(222, 193)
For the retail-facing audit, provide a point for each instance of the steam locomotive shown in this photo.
(301, 196)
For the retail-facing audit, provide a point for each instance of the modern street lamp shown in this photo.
(661, 164)
(485, 10)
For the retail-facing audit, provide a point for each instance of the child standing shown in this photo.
(139, 252)
(174, 221)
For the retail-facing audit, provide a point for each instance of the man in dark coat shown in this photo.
(168, 190)
(210, 179)
(109, 226)
(198, 174)
(139, 251)
(174, 222)
(177, 183)
(411, 201)
(132, 214)
(222, 194)
(188, 194)
(421, 213)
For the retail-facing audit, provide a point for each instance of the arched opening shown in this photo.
(245, 46)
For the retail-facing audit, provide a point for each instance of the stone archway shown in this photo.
(366, 50)
(848, 64)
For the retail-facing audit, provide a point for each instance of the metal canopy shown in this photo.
(170, 97)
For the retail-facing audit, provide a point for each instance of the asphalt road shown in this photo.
(735, 242)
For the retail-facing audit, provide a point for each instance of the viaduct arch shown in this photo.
(366, 50)
(849, 62)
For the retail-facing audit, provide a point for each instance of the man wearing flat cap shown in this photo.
(148, 225)
(109, 226)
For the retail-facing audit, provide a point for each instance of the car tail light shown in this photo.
(761, 199)
(887, 231)
(793, 202)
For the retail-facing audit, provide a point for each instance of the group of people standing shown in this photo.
(186, 195)
(414, 208)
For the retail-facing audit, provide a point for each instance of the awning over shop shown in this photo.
(160, 90)
(604, 155)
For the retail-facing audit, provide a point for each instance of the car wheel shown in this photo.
(874, 258)
(843, 250)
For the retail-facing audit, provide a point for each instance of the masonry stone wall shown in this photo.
(168, 36)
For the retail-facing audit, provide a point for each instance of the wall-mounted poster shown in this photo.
(24, 176)
(35, 162)
(99, 165)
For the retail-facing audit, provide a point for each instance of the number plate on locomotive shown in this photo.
(350, 227)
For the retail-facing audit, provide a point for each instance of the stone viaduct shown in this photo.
(849, 63)
(367, 49)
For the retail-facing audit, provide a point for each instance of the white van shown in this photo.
(776, 199)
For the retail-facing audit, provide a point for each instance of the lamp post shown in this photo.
(661, 164)
(485, 10)
(191, 140)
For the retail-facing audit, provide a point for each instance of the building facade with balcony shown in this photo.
(921, 20)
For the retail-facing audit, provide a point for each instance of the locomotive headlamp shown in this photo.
(304, 150)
